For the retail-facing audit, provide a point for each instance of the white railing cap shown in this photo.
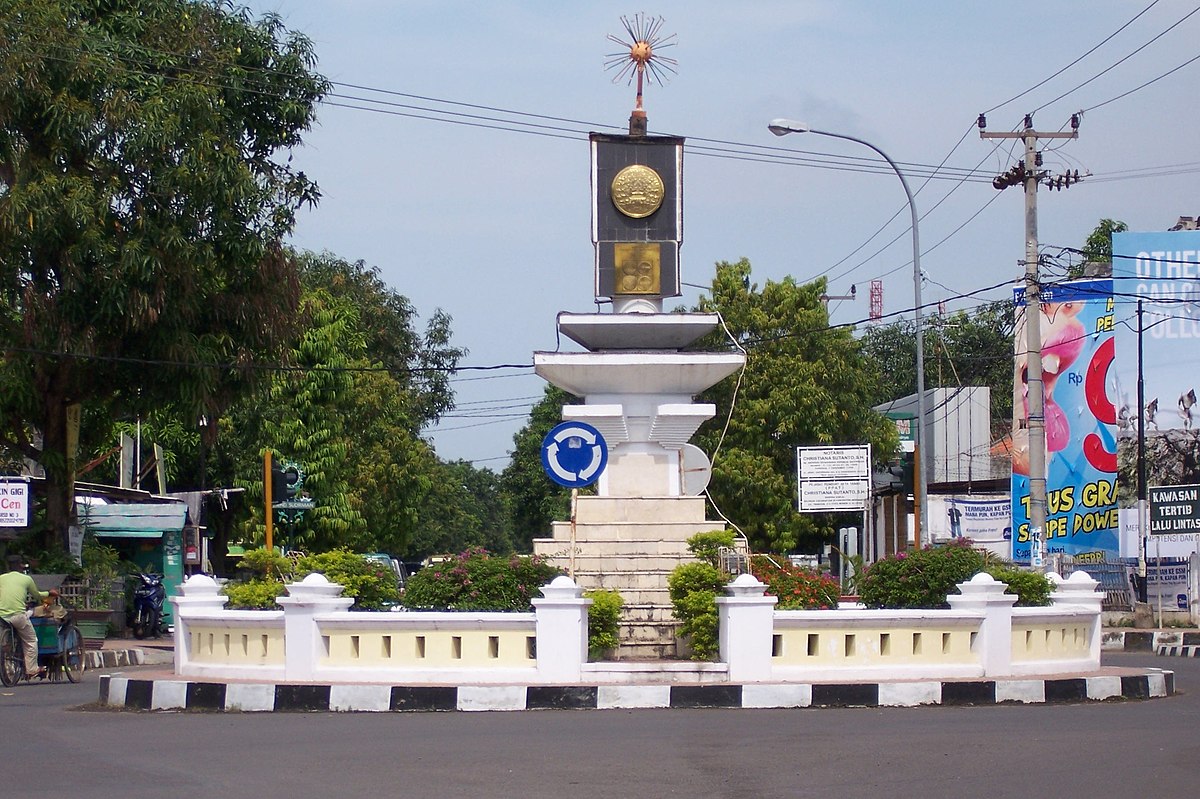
(746, 585)
(199, 585)
(561, 587)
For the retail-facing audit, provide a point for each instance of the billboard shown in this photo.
(14, 502)
(1163, 271)
(1077, 320)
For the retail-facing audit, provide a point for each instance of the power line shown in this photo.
(1103, 42)
(1108, 69)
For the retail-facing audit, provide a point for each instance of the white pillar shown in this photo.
(301, 637)
(562, 631)
(747, 625)
(1079, 591)
(985, 594)
(198, 594)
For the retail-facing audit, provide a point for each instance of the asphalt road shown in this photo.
(1147, 749)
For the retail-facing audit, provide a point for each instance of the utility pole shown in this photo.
(1028, 173)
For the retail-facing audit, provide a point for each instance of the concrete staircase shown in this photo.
(630, 545)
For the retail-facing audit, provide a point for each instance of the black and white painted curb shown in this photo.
(115, 658)
(1148, 640)
(1178, 651)
(122, 692)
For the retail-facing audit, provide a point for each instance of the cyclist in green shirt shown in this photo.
(16, 589)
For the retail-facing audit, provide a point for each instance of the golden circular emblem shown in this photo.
(637, 191)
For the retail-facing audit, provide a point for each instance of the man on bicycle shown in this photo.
(16, 588)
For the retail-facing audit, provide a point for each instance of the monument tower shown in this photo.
(637, 380)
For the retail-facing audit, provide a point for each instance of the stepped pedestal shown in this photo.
(638, 389)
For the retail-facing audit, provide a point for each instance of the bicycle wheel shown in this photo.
(72, 658)
(12, 660)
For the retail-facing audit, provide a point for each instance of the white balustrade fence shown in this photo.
(315, 638)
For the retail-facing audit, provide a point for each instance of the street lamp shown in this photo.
(782, 127)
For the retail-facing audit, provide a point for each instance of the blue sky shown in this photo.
(493, 225)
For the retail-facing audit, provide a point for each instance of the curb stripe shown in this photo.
(544, 697)
(706, 696)
(116, 691)
(846, 695)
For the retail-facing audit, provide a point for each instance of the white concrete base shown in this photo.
(250, 697)
(1025, 691)
(368, 698)
(632, 696)
(910, 694)
(507, 697)
(768, 696)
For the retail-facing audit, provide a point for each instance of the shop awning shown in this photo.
(144, 520)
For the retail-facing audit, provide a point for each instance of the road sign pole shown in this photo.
(574, 507)
(267, 497)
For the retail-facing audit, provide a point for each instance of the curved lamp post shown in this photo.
(782, 127)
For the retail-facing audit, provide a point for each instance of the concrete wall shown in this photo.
(315, 638)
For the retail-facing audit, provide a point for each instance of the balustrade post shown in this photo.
(993, 644)
(747, 627)
(302, 643)
(562, 631)
(1079, 591)
(198, 594)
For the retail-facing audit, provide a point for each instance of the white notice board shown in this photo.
(833, 478)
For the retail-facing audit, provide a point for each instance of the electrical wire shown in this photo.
(1122, 61)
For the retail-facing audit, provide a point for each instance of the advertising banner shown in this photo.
(977, 518)
(14, 503)
(1163, 271)
(1078, 349)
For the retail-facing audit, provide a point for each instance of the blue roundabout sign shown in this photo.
(574, 454)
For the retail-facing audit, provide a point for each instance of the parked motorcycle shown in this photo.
(148, 598)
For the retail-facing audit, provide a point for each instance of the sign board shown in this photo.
(833, 495)
(828, 463)
(574, 454)
(15, 500)
(302, 503)
(833, 478)
(1174, 509)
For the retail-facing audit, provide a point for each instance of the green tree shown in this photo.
(421, 366)
(142, 209)
(308, 422)
(961, 349)
(532, 499)
(805, 383)
(463, 509)
(349, 410)
(1098, 247)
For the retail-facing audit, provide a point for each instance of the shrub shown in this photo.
(1032, 589)
(603, 616)
(477, 580)
(706, 546)
(372, 585)
(256, 594)
(797, 587)
(924, 577)
(264, 562)
(694, 588)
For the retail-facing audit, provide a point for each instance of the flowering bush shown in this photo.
(797, 587)
(477, 580)
(924, 577)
